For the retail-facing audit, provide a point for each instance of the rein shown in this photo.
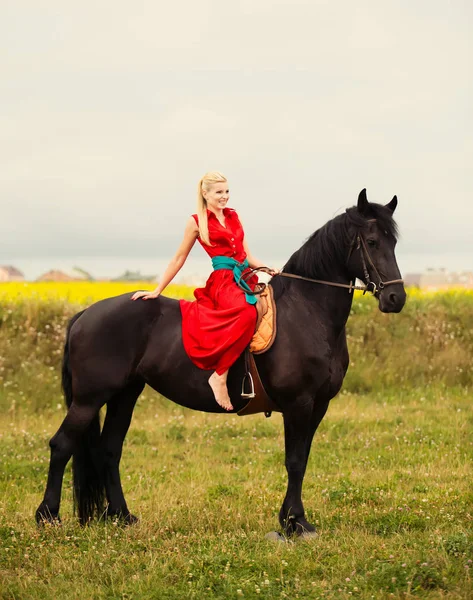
(350, 287)
(370, 286)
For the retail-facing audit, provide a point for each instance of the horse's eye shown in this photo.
(371, 243)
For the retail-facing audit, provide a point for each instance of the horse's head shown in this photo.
(372, 258)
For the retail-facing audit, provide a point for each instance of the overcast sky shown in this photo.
(110, 111)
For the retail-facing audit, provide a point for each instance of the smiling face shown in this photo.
(217, 196)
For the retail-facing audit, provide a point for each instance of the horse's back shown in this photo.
(108, 340)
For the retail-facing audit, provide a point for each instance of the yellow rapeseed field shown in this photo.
(81, 292)
(87, 292)
(414, 292)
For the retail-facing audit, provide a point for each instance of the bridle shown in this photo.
(358, 243)
(365, 256)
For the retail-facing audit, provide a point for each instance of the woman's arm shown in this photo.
(177, 262)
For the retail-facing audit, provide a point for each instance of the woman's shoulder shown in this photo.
(233, 216)
(230, 212)
(192, 226)
(193, 222)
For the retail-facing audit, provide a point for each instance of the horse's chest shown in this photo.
(337, 367)
(329, 368)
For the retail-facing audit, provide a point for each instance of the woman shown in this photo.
(219, 324)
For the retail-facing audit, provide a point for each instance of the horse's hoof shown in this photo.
(121, 518)
(275, 536)
(44, 518)
(308, 535)
(131, 519)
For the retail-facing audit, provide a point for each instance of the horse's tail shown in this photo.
(66, 371)
(89, 494)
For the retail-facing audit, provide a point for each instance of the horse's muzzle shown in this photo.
(392, 298)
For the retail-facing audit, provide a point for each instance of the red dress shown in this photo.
(219, 324)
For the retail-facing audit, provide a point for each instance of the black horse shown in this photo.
(116, 346)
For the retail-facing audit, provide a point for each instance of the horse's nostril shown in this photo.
(392, 297)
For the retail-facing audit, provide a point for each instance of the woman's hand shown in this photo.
(173, 268)
(273, 272)
(145, 295)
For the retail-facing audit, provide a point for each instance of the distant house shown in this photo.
(55, 275)
(74, 274)
(412, 279)
(465, 278)
(134, 276)
(440, 279)
(9, 273)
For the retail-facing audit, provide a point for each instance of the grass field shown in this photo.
(389, 481)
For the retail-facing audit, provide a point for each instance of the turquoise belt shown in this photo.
(226, 262)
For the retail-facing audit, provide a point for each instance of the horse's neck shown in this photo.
(331, 304)
(322, 257)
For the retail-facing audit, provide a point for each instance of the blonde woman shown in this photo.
(219, 324)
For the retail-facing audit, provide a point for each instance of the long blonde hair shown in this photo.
(204, 184)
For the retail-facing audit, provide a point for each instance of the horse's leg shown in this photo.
(117, 422)
(318, 414)
(299, 429)
(62, 444)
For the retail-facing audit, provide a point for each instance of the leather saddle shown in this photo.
(264, 336)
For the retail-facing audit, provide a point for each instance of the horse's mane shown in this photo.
(327, 248)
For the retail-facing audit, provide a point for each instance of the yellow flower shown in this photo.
(79, 292)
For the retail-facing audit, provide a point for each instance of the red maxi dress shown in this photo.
(219, 324)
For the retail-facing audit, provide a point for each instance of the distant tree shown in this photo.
(85, 274)
(134, 276)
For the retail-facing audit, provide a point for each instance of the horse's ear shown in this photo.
(392, 205)
(362, 201)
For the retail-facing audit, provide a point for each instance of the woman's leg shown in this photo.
(239, 330)
(218, 383)
(218, 380)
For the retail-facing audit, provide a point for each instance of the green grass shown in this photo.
(388, 486)
(430, 343)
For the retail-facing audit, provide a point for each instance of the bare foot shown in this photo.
(218, 384)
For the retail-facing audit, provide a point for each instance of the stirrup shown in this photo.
(250, 394)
